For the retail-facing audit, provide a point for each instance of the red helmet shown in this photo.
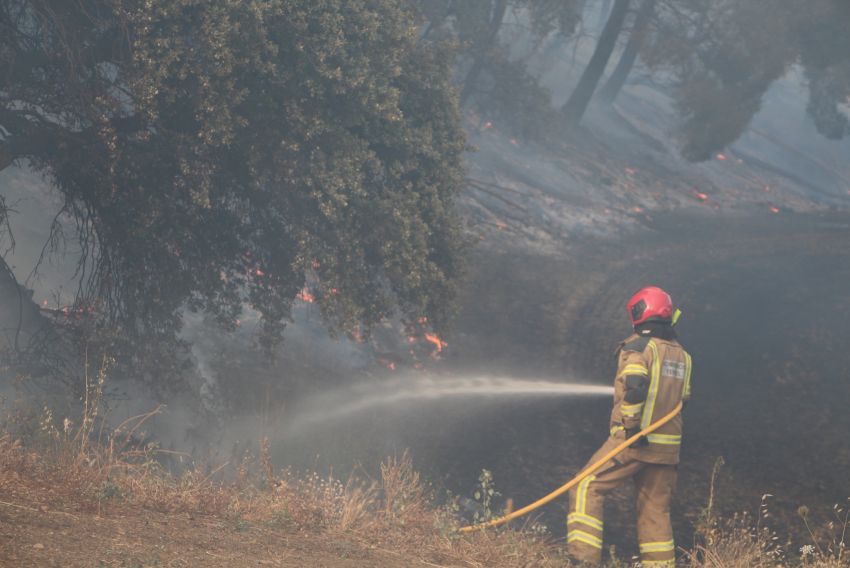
(650, 303)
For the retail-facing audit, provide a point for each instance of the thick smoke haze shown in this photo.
(753, 243)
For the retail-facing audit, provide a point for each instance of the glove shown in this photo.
(640, 442)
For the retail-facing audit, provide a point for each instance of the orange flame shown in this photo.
(305, 296)
(439, 344)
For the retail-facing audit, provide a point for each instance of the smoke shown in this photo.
(763, 295)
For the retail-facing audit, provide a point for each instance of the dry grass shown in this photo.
(83, 469)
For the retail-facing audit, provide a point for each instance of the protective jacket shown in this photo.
(653, 375)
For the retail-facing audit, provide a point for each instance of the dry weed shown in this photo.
(88, 466)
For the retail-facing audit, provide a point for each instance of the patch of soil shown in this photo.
(133, 538)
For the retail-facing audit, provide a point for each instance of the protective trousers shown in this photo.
(654, 483)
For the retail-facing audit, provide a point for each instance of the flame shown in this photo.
(259, 272)
(487, 125)
(238, 323)
(637, 209)
(305, 296)
(773, 209)
(514, 142)
(701, 196)
(721, 157)
(439, 344)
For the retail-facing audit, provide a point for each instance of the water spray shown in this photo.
(359, 398)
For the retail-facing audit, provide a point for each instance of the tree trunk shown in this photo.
(21, 320)
(482, 50)
(604, 12)
(627, 60)
(575, 107)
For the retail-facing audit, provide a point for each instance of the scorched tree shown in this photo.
(218, 153)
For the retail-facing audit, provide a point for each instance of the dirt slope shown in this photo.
(133, 538)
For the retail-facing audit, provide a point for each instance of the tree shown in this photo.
(216, 154)
(627, 60)
(575, 107)
(824, 38)
(492, 83)
(722, 55)
(482, 45)
(829, 88)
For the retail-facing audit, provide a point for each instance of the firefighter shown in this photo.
(653, 375)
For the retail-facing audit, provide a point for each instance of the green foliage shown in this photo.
(725, 54)
(497, 87)
(828, 88)
(221, 153)
(484, 494)
(106, 491)
(513, 99)
(824, 39)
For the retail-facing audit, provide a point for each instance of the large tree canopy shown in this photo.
(723, 56)
(221, 152)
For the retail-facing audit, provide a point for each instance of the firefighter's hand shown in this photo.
(640, 442)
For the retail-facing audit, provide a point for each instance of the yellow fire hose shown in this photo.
(570, 484)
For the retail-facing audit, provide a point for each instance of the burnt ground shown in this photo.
(766, 304)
